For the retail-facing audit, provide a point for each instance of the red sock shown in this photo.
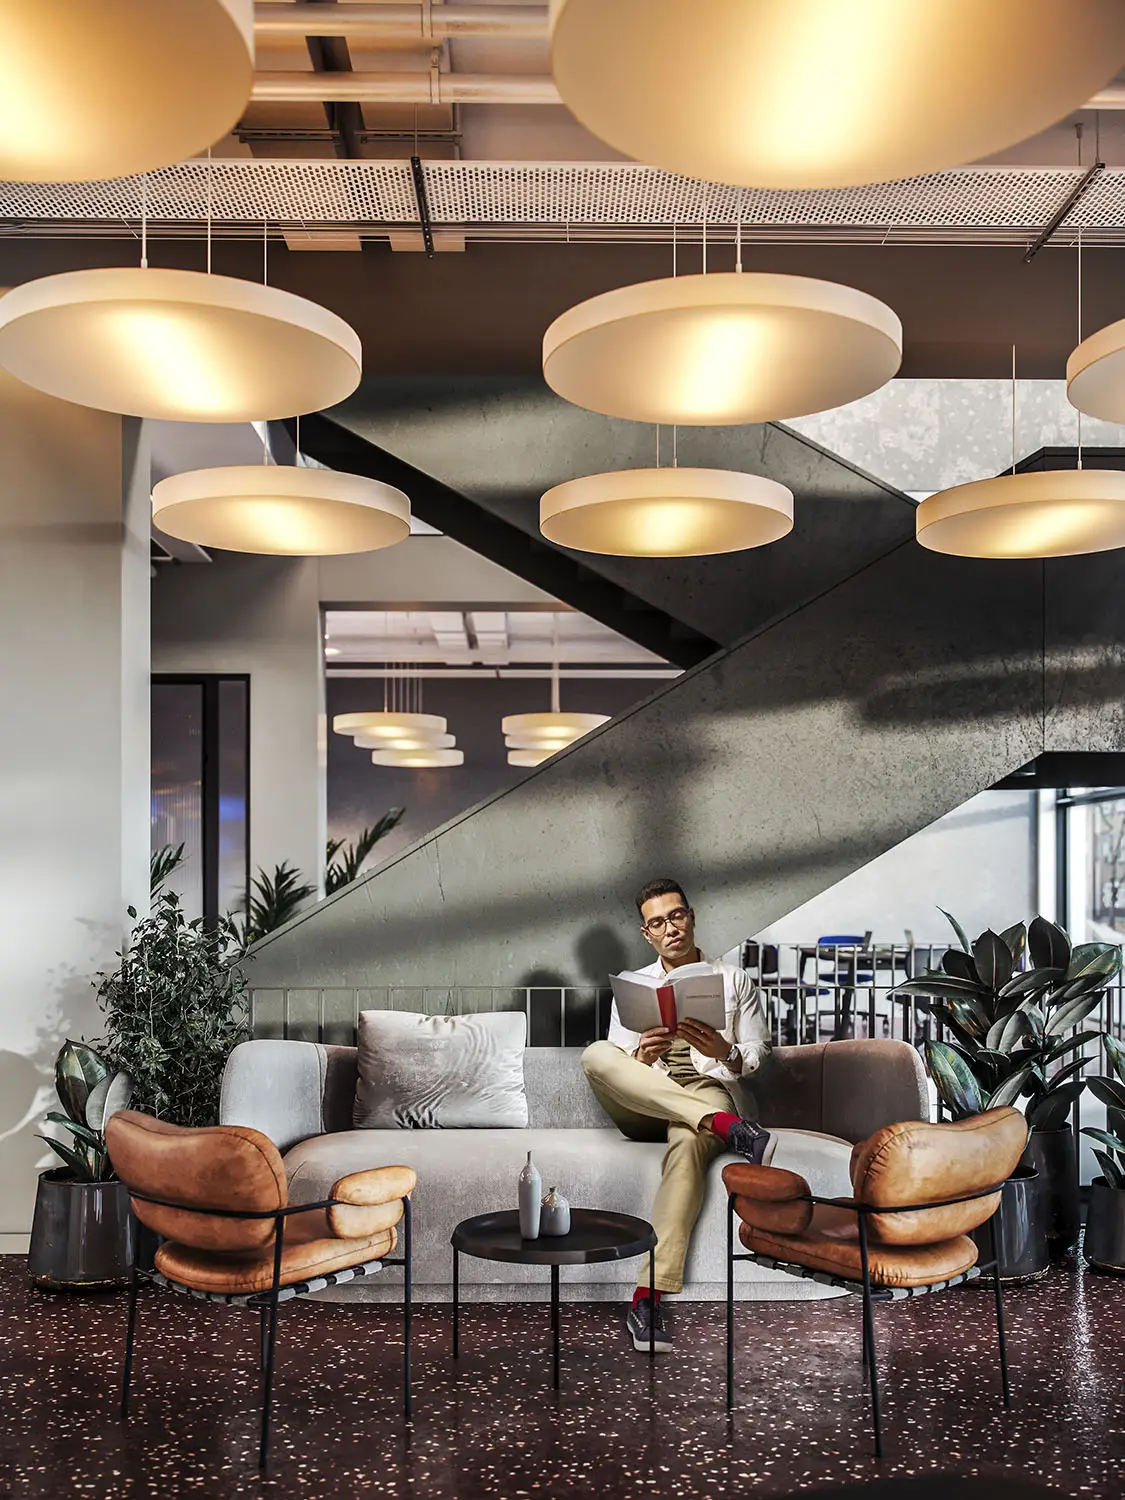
(722, 1122)
(641, 1295)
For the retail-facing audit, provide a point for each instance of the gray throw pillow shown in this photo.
(440, 1072)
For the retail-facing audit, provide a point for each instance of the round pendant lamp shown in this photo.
(109, 88)
(558, 728)
(827, 93)
(1057, 513)
(722, 349)
(179, 345)
(417, 760)
(532, 757)
(281, 510)
(666, 512)
(389, 727)
(1095, 374)
(416, 741)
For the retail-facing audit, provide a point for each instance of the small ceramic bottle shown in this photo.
(530, 1196)
(555, 1217)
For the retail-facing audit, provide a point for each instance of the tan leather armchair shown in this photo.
(918, 1190)
(217, 1198)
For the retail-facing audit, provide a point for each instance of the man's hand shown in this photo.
(704, 1039)
(653, 1044)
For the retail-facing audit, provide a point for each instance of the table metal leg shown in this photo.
(555, 1324)
(652, 1304)
(456, 1304)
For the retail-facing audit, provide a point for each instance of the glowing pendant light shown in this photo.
(109, 88)
(418, 760)
(827, 93)
(282, 510)
(416, 741)
(534, 738)
(666, 512)
(179, 345)
(724, 348)
(532, 757)
(389, 727)
(1057, 513)
(1095, 374)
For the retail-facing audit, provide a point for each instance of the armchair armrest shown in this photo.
(769, 1198)
(368, 1202)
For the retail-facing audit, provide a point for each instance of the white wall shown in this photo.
(433, 570)
(259, 615)
(74, 753)
(979, 862)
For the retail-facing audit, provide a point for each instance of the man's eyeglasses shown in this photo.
(656, 925)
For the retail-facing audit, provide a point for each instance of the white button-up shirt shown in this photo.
(745, 1026)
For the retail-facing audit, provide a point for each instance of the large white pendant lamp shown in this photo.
(284, 510)
(666, 512)
(827, 93)
(1095, 374)
(109, 88)
(724, 348)
(180, 345)
(1055, 513)
(389, 727)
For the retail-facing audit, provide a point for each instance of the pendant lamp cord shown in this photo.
(1013, 408)
(265, 252)
(554, 664)
(705, 231)
(144, 221)
(738, 239)
(1079, 334)
(209, 203)
(673, 251)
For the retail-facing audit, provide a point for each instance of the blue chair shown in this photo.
(845, 963)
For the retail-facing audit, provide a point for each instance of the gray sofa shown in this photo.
(818, 1099)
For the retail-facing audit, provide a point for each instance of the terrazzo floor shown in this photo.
(493, 1427)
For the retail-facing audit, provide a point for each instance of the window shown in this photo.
(1091, 863)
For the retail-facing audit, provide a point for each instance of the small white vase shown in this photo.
(530, 1197)
(555, 1214)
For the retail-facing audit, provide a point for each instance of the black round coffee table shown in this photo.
(596, 1234)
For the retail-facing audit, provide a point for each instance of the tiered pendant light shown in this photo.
(724, 348)
(109, 88)
(666, 512)
(281, 509)
(400, 734)
(827, 93)
(180, 345)
(534, 738)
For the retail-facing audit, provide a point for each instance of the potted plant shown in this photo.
(1012, 1003)
(81, 1234)
(1104, 1244)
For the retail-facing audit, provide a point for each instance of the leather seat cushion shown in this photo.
(831, 1244)
(306, 1253)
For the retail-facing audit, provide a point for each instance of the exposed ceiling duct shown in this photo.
(402, 23)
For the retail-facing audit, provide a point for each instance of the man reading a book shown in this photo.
(662, 1083)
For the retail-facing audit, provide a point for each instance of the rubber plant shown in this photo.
(1109, 1089)
(1012, 1003)
(90, 1089)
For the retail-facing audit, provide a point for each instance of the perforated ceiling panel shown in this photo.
(521, 199)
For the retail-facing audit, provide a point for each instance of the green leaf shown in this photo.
(1114, 1176)
(78, 1069)
(1115, 1052)
(343, 873)
(1009, 1090)
(958, 929)
(1048, 945)
(954, 1080)
(993, 960)
(1060, 1049)
(161, 864)
(959, 965)
(1031, 982)
(1108, 1091)
(113, 1093)
(1005, 1033)
(1071, 1014)
(1114, 1142)
(971, 1016)
(943, 986)
(76, 1160)
(1034, 1015)
(1094, 958)
(82, 1133)
(1068, 1072)
(1015, 940)
(1050, 1112)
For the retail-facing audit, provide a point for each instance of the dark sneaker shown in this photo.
(748, 1140)
(639, 1323)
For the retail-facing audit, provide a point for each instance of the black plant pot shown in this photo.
(1052, 1154)
(1020, 1228)
(1104, 1245)
(81, 1235)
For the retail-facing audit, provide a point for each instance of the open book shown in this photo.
(693, 991)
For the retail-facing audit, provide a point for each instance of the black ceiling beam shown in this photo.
(419, 179)
(329, 54)
(1076, 194)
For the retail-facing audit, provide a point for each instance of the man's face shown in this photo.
(668, 923)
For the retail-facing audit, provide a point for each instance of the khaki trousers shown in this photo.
(647, 1105)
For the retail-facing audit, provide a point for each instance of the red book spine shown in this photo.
(666, 999)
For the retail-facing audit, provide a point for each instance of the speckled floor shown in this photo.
(619, 1427)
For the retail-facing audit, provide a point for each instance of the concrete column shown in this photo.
(74, 751)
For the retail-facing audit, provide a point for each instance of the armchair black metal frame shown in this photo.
(869, 1292)
(267, 1301)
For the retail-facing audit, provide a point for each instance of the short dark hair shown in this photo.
(664, 887)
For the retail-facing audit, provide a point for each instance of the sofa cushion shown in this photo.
(306, 1252)
(441, 1072)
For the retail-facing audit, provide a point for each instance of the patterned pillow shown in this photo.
(440, 1072)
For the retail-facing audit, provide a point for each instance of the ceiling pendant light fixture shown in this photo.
(827, 93)
(416, 741)
(387, 726)
(281, 510)
(722, 349)
(534, 738)
(111, 88)
(400, 734)
(417, 760)
(666, 512)
(1049, 513)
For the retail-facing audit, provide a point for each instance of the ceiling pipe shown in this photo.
(404, 88)
(423, 23)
